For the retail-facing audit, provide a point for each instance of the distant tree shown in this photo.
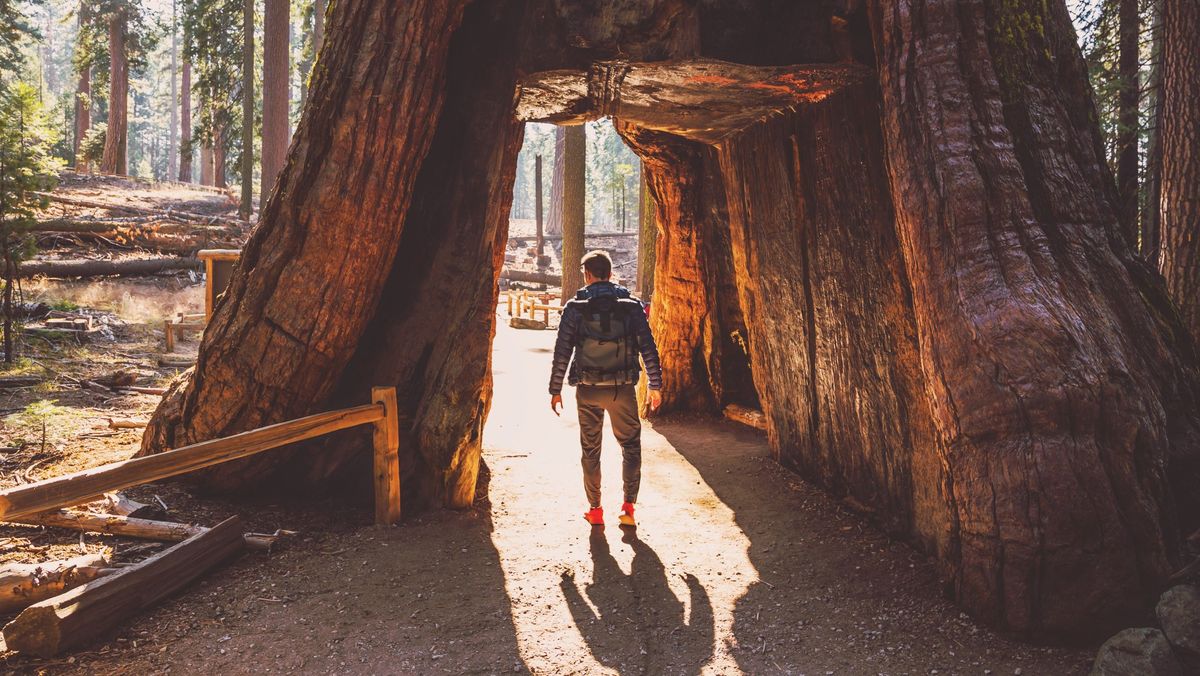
(1180, 205)
(214, 49)
(185, 117)
(130, 36)
(573, 189)
(247, 156)
(26, 168)
(83, 86)
(276, 126)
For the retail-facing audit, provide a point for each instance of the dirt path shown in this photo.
(737, 567)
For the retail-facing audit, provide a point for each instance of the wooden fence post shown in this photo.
(387, 458)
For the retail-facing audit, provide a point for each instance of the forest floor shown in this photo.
(737, 566)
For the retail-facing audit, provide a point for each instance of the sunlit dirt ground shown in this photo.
(737, 567)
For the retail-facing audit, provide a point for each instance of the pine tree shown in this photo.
(26, 168)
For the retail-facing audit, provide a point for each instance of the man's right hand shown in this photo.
(555, 403)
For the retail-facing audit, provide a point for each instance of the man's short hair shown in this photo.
(598, 263)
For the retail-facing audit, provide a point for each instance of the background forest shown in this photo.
(183, 64)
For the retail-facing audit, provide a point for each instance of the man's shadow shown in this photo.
(638, 625)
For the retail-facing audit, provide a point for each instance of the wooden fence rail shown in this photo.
(91, 484)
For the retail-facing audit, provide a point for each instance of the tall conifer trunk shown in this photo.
(116, 138)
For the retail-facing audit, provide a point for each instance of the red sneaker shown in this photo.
(626, 517)
(595, 516)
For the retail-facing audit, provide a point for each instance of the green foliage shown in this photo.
(64, 305)
(26, 163)
(92, 147)
(15, 28)
(213, 30)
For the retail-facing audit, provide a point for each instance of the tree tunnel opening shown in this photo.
(942, 326)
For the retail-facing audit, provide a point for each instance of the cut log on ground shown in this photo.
(107, 268)
(140, 211)
(19, 381)
(23, 584)
(142, 529)
(126, 424)
(746, 416)
(73, 619)
(531, 277)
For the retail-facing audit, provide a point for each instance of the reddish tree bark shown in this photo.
(1059, 386)
(276, 133)
(1180, 139)
(115, 139)
(206, 165)
(312, 274)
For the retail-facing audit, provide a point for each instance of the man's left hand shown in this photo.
(655, 399)
(555, 403)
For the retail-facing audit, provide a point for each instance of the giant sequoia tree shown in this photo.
(913, 263)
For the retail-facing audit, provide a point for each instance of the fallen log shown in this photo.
(107, 268)
(746, 416)
(19, 381)
(23, 584)
(141, 529)
(531, 277)
(126, 424)
(139, 211)
(77, 617)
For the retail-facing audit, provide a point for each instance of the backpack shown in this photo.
(607, 353)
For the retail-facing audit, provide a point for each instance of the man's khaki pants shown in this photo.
(620, 402)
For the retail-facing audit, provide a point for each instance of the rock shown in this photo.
(526, 323)
(1137, 652)
(1178, 613)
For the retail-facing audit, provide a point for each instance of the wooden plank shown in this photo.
(387, 458)
(89, 484)
(79, 616)
(23, 584)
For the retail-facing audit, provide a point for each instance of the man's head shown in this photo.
(597, 267)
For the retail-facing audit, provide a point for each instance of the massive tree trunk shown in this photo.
(185, 122)
(312, 275)
(115, 139)
(1180, 139)
(276, 133)
(554, 218)
(920, 276)
(574, 162)
(676, 177)
(1060, 388)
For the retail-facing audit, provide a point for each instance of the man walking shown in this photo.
(606, 330)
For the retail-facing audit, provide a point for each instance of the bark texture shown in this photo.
(1059, 386)
(115, 139)
(276, 132)
(311, 276)
(1180, 140)
(915, 265)
(574, 162)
